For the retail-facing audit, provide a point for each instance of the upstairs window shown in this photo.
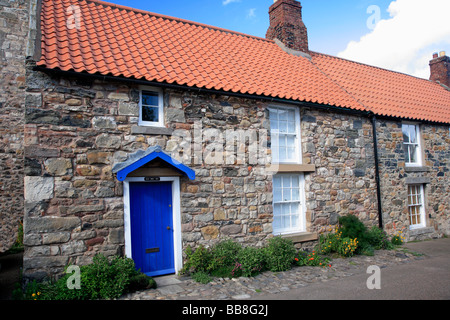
(151, 107)
(285, 134)
(411, 144)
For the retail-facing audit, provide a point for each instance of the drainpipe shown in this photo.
(377, 171)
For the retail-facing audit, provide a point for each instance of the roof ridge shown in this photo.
(372, 66)
(118, 6)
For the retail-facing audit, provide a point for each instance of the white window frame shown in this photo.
(301, 215)
(160, 122)
(418, 144)
(419, 204)
(297, 142)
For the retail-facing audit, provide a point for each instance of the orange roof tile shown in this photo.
(120, 41)
(388, 93)
(132, 43)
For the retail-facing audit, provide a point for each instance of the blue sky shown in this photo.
(331, 24)
(336, 27)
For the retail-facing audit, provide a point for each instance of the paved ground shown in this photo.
(420, 279)
(404, 275)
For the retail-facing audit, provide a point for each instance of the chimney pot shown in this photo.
(435, 55)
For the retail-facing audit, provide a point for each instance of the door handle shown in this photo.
(168, 228)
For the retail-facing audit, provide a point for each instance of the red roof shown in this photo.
(120, 41)
(388, 93)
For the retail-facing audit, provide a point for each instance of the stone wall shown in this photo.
(76, 129)
(13, 46)
(341, 147)
(395, 177)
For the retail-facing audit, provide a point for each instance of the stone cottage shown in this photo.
(132, 133)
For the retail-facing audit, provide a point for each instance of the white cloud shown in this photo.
(406, 41)
(226, 2)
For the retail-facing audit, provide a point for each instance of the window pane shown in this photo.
(290, 155)
(273, 114)
(412, 153)
(277, 210)
(286, 181)
(283, 114)
(291, 126)
(277, 181)
(406, 151)
(412, 134)
(282, 156)
(412, 216)
(277, 194)
(273, 124)
(150, 98)
(405, 130)
(282, 126)
(282, 141)
(150, 114)
(295, 194)
(295, 221)
(276, 223)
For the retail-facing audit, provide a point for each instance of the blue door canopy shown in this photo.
(141, 158)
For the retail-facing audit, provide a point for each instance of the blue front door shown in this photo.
(152, 243)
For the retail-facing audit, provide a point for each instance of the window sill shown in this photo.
(416, 169)
(151, 130)
(418, 230)
(290, 168)
(301, 236)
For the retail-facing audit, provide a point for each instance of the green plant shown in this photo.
(224, 254)
(141, 281)
(251, 261)
(280, 254)
(397, 239)
(347, 247)
(352, 227)
(330, 242)
(197, 260)
(201, 277)
(311, 259)
(378, 238)
(102, 279)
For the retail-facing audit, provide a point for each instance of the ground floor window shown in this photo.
(416, 206)
(288, 203)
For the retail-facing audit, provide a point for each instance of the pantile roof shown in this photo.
(388, 93)
(125, 42)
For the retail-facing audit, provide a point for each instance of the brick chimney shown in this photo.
(286, 25)
(440, 68)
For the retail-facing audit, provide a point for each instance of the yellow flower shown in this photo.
(33, 295)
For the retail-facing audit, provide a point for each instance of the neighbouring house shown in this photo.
(126, 132)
